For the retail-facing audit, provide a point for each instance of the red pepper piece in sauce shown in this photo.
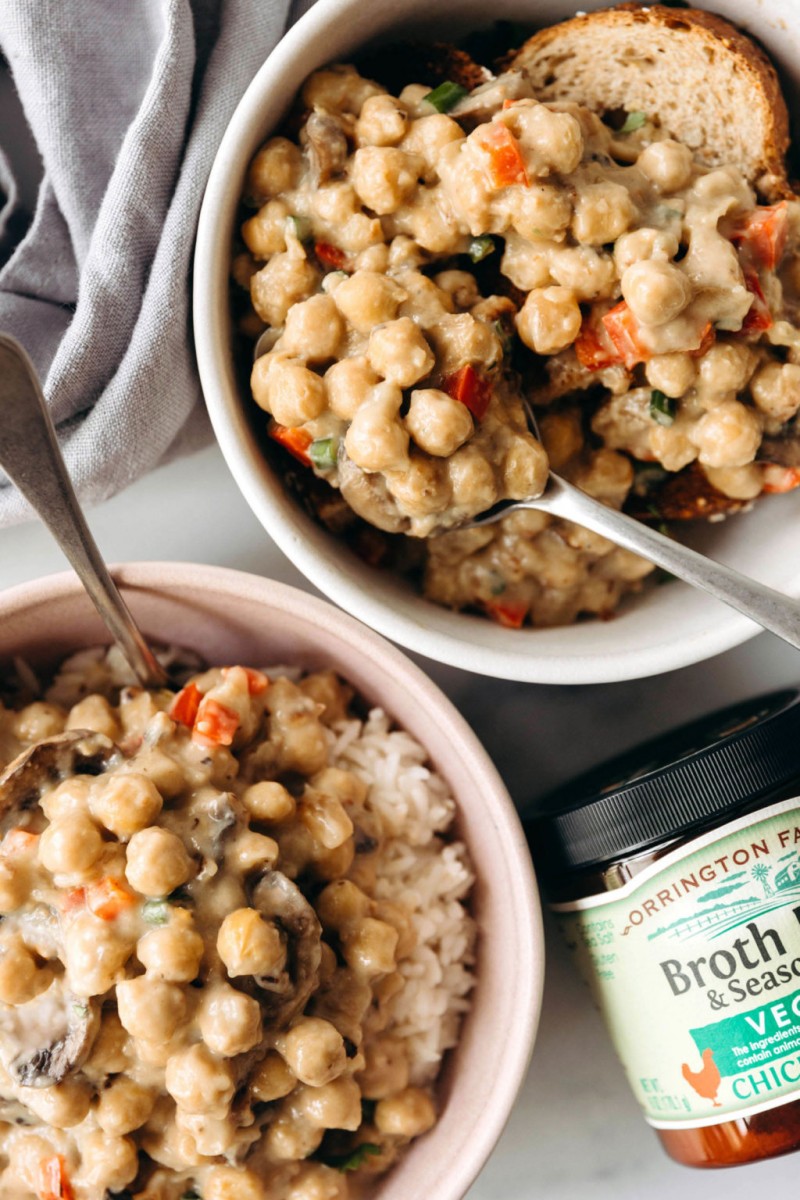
(216, 724)
(763, 233)
(185, 705)
(622, 327)
(330, 256)
(54, 1182)
(470, 389)
(257, 681)
(510, 613)
(107, 898)
(594, 348)
(506, 164)
(759, 318)
(778, 480)
(296, 441)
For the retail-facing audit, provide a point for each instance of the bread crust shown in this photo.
(747, 58)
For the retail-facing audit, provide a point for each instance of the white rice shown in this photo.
(428, 875)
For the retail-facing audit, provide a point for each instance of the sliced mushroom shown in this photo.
(79, 752)
(280, 900)
(483, 102)
(48, 1038)
(325, 140)
(783, 451)
(369, 497)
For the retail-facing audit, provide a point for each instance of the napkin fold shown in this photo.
(127, 103)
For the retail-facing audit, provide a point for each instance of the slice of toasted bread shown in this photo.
(707, 84)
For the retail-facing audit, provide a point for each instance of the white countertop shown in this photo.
(576, 1131)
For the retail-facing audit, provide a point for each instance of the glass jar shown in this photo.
(674, 873)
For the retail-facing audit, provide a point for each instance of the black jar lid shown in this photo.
(671, 785)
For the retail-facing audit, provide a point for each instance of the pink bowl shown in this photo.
(227, 617)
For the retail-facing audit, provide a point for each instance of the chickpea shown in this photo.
(162, 771)
(150, 1008)
(554, 138)
(287, 389)
(274, 169)
(727, 367)
(667, 164)
(230, 1021)
(69, 796)
(421, 489)
(549, 320)
(273, 1080)
(25, 1153)
(524, 468)
(157, 862)
(198, 1082)
(539, 211)
(95, 713)
(123, 1106)
(335, 1105)
(124, 804)
(250, 945)
(399, 353)
(373, 258)
(382, 122)
(70, 845)
(740, 483)
(265, 234)
(325, 819)
(369, 947)
(673, 374)
(313, 329)
(584, 271)
(288, 1140)
(607, 476)
(315, 1181)
(472, 480)
(339, 88)
(173, 953)
(561, 436)
(314, 1050)
(377, 439)
(407, 1114)
(642, 244)
(437, 423)
(285, 280)
(38, 721)
(108, 1163)
(61, 1106)
(603, 212)
(727, 436)
(386, 1068)
(252, 851)
(233, 1183)
(14, 885)
(110, 1050)
(21, 978)
(348, 384)
(269, 801)
(368, 299)
(384, 177)
(670, 445)
(527, 266)
(656, 292)
(776, 390)
(428, 136)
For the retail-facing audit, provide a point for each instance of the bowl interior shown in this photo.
(665, 628)
(231, 617)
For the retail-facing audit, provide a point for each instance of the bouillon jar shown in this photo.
(674, 873)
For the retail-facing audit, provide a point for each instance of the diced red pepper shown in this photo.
(330, 256)
(216, 724)
(73, 900)
(780, 479)
(53, 1181)
(707, 339)
(108, 898)
(510, 613)
(296, 441)
(19, 841)
(594, 348)
(257, 681)
(185, 705)
(763, 232)
(622, 327)
(506, 164)
(470, 388)
(759, 318)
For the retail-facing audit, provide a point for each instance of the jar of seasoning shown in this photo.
(674, 873)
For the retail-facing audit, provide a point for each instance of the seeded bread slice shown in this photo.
(708, 85)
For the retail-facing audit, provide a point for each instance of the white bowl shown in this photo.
(231, 617)
(665, 628)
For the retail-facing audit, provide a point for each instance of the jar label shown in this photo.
(695, 965)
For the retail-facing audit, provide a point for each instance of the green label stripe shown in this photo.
(752, 1039)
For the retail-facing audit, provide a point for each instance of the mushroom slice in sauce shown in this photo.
(79, 752)
(326, 143)
(484, 101)
(280, 900)
(48, 1038)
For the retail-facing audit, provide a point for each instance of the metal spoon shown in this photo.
(774, 611)
(31, 458)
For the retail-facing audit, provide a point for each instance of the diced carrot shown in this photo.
(108, 898)
(19, 841)
(707, 339)
(73, 900)
(257, 681)
(296, 441)
(594, 348)
(509, 613)
(330, 256)
(185, 705)
(470, 388)
(216, 724)
(763, 233)
(622, 327)
(759, 318)
(506, 164)
(780, 479)
(53, 1181)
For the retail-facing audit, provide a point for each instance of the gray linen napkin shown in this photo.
(127, 101)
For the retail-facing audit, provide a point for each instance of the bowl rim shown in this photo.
(312, 549)
(174, 580)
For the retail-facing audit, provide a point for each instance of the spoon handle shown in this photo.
(31, 458)
(774, 611)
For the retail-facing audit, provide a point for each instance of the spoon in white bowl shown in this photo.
(31, 458)
(778, 613)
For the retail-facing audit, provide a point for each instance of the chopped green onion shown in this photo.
(480, 248)
(498, 585)
(669, 214)
(505, 336)
(354, 1160)
(662, 407)
(191, 1195)
(634, 121)
(80, 1010)
(155, 912)
(445, 96)
(299, 227)
(323, 452)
